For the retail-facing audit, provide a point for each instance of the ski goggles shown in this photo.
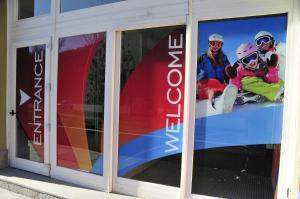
(215, 43)
(249, 58)
(263, 40)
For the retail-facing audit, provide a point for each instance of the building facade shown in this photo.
(155, 99)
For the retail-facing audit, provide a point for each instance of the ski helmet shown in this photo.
(262, 34)
(245, 49)
(215, 37)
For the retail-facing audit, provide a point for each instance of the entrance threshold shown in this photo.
(38, 186)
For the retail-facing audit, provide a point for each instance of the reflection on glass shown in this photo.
(68, 5)
(80, 102)
(33, 8)
(240, 89)
(151, 105)
(30, 102)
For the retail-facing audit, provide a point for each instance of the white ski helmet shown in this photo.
(261, 34)
(215, 37)
(245, 49)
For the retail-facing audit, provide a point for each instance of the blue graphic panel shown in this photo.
(249, 126)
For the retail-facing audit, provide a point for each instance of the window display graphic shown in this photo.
(240, 90)
(244, 83)
(30, 90)
(80, 102)
(150, 119)
(151, 97)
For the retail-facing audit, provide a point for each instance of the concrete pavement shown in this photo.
(42, 187)
(5, 194)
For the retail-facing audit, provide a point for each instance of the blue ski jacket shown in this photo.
(206, 70)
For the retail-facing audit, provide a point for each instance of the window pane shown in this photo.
(151, 105)
(80, 102)
(68, 5)
(30, 90)
(239, 109)
(32, 8)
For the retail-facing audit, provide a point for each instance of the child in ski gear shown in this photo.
(211, 77)
(265, 42)
(254, 75)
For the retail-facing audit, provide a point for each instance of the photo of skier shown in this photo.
(255, 75)
(274, 61)
(271, 51)
(211, 78)
(252, 61)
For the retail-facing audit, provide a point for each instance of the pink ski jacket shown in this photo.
(271, 76)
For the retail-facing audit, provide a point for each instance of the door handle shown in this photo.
(12, 112)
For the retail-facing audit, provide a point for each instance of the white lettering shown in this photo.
(170, 143)
(38, 94)
(39, 57)
(174, 127)
(178, 98)
(174, 84)
(173, 54)
(174, 94)
(175, 45)
(178, 112)
(37, 139)
(36, 67)
(37, 83)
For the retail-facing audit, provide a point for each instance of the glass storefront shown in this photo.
(33, 8)
(151, 105)
(138, 53)
(80, 102)
(240, 89)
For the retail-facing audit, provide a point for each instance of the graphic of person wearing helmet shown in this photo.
(254, 75)
(265, 42)
(211, 77)
(273, 53)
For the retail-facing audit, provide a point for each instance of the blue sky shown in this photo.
(237, 31)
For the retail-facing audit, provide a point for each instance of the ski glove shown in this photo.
(272, 61)
(231, 71)
(263, 67)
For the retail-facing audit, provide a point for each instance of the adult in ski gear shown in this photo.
(211, 76)
(254, 75)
